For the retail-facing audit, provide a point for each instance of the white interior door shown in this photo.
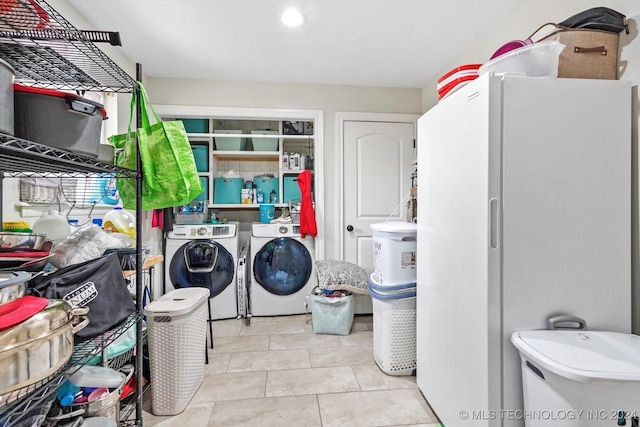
(377, 159)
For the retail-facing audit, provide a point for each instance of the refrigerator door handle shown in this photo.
(493, 223)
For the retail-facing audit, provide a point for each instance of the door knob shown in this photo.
(349, 227)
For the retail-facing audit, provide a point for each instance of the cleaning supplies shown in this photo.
(120, 221)
(102, 189)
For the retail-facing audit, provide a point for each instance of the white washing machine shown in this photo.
(284, 272)
(205, 255)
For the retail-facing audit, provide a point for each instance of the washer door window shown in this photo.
(282, 266)
(202, 264)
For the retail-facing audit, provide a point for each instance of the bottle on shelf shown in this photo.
(295, 165)
(260, 196)
(273, 197)
(303, 162)
(285, 161)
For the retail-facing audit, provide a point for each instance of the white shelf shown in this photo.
(245, 154)
(248, 135)
(245, 205)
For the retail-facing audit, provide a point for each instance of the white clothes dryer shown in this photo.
(283, 265)
(205, 255)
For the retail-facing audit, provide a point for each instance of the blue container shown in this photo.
(204, 196)
(266, 184)
(267, 212)
(195, 125)
(291, 191)
(227, 190)
(201, 156)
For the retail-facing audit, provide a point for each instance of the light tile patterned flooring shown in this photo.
(276, 372)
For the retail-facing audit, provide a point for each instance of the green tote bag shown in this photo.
(169, 174)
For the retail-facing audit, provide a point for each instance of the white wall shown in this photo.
(525, 21)
(329, 98)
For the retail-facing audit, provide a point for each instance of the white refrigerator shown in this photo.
(524, 212)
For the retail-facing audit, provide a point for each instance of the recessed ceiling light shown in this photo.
(292, 18)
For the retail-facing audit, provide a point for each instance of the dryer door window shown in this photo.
(202, 264)
(282, 266)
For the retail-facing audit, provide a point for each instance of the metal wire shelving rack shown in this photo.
(47, 51)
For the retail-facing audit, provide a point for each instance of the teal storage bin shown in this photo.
(264, 144)
(266, 184)
(227, 190)
(290, 190)
(204, 196)
(201, 156)
(230, 143)
(196, 125)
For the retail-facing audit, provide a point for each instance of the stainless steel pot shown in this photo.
(14, 242)
(7, 75)
(13, 285)
(36, 348)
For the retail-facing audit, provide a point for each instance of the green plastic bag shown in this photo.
(125, 156)
(169, 174)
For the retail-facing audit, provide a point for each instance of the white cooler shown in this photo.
(394, 251)
(577, 378)
(177, 344)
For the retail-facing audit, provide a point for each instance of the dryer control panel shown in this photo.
(275, 230)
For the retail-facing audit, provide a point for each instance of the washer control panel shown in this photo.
(203, 231)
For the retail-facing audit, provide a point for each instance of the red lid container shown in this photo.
(58, 119)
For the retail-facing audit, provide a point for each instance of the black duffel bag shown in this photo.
(598, 18)
(98, 284)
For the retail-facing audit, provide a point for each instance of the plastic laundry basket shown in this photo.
(177, 344)
(579, 378)
(394, 251)
(394, 327)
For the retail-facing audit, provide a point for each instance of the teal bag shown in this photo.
(169, 173)
(332, 315)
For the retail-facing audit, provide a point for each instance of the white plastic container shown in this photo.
(535, 60)
(295, 163)
(54, 225)
(96, 376)
(177, 324)
(120, 221)
(575, 378)
(98, 422)
(394, 252)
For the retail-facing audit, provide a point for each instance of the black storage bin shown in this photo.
(58, 119)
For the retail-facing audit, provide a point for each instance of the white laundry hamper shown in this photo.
(394, 326)
(177, 343)
(394, 251)
(579, 378)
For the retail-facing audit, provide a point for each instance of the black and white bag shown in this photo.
(598, 18)
(98, 284)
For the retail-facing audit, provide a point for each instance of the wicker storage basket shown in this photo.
(588, 54)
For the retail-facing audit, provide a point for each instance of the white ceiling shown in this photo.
(387, 43)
